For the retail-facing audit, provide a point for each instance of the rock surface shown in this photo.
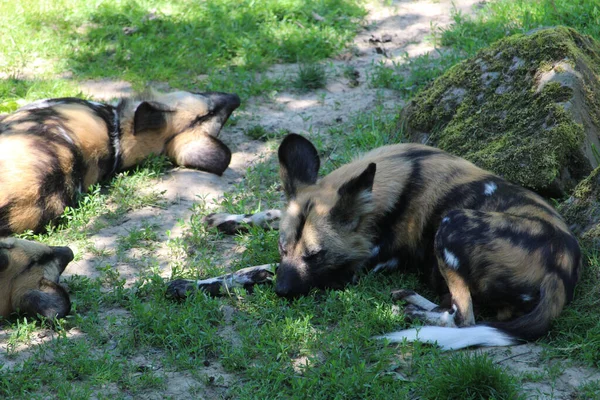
(526, 108)
(582, 210)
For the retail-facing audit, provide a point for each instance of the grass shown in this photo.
(124, 338)
(220, 44)
(310, 77)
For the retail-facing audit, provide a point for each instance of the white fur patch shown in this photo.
(452, 338)
(490, 188)
(451, 259)
(390, 264)
(420, 301)
(526, 297)
(375, 251)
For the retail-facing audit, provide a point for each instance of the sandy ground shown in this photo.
(391, 32)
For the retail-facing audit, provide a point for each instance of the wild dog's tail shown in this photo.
(553, 297)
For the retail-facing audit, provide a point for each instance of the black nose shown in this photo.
(289, 282)
(64, 254)
(286, 292)
(225, 101)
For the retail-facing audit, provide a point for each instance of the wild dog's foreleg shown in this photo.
(245, 277)
(459, 289)
(233, 223)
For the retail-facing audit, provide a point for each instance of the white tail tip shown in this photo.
(453, 338)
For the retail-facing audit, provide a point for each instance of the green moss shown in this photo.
(582, 210)
(489, 109)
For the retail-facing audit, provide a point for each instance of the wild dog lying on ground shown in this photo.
(29, 275)
(488, 242)
(51, 150)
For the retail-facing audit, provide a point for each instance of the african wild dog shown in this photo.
(51, 150)
(29, 274)
(412, 207)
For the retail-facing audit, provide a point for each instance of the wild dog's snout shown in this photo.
(291, 283)
(64, 255)
(225, 101)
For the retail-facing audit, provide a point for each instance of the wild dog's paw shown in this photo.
(233, 223)
(248, 277)
(438, 318)
(229, 224)
(181, 288)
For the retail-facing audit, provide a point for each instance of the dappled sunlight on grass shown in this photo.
(174, 42)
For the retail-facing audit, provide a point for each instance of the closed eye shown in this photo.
(282, 249)
(314, 256)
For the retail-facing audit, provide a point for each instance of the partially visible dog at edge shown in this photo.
(29, 275)
(52, 150)
(491, 244)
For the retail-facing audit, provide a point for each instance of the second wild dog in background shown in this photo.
(53, 149)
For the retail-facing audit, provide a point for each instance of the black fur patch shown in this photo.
(387, 223)
(149, 116)
(4, 260)
(4, 220)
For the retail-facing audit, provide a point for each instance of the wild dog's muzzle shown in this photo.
(64, 255)
(292, 280)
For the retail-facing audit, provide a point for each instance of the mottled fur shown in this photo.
(51, 150)
(29, 275)
(487, 242)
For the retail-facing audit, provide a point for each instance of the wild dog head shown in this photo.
(323, 239)
(29, 275)
(182, 125)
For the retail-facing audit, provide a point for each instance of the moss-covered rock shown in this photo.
(582, 209)
(526, 108)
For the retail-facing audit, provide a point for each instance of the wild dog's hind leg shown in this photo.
(455, 266)
(424, 310)
(234, 223)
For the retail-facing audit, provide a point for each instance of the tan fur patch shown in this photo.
(91, 134)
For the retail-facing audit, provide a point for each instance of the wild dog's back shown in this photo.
(50, 150)
(416, 185)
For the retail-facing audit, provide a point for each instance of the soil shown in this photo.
(390, 33)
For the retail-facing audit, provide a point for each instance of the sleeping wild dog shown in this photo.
(53, 149)
(487, 242)
(29, 275)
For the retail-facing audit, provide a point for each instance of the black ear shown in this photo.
(50, 301)
(355, 200)
(298, 163)
(149, 117)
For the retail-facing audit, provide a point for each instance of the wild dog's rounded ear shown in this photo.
(355, 199)
(50, 300)
(298, 163)
(149, 116)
